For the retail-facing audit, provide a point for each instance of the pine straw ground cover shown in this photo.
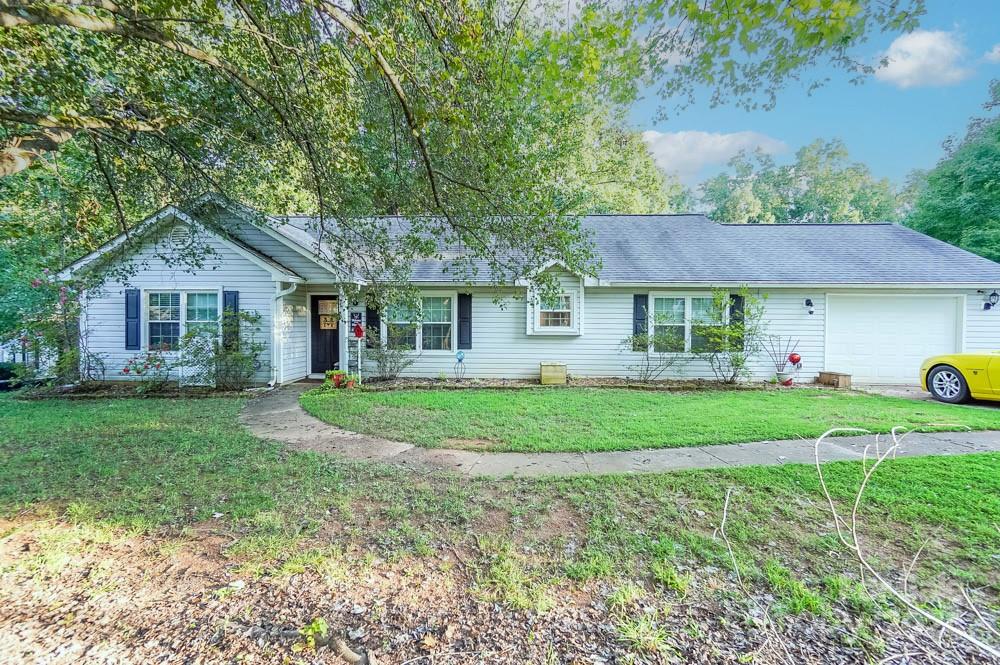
(558, 419)
(159, 529)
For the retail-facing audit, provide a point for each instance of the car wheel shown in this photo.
(947, 384)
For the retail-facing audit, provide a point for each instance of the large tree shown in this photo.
(959, 199)
(821, 186)
(455, 108)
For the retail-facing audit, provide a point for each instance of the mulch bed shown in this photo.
(130, 389)
(667, 385)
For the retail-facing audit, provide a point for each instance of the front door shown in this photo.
(325, 333)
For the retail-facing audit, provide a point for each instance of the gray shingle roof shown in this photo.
(692, 248)
(679, 249)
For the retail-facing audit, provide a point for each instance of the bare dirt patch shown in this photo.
(470, 444)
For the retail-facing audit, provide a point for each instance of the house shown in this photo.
(869, 300)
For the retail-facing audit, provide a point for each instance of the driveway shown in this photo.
(906, 390)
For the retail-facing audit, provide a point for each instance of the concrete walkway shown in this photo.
(278, 416)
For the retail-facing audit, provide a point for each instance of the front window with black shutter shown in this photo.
(681, 324)
(400, 328)
(172, 314)
(164, 321)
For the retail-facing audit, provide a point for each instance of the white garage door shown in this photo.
(883, 339)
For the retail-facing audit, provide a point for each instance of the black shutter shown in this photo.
(132, 336)
(230, 319)
(640, 307)
(465, 320)
(373, 328)
(736, 304)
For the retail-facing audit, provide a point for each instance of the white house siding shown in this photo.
(502, 349)
(291, 331)
(982, 327)
(104, 323)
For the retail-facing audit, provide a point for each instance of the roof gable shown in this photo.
(173, 215)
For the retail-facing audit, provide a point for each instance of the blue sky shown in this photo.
(895, 122)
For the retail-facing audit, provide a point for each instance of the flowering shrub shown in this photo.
(151, 369)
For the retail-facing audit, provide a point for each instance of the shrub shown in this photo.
(391, 359)
(730, 336)
(229, 363)
(652, 361)
(150, 369)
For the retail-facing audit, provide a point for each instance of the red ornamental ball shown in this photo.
(794, 358)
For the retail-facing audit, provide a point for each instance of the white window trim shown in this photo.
(571, 310)
(535, 327)
(419, 350)
(144, 319)
(688, 320)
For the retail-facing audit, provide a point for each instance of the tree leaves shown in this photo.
(821, 186)
(959, 201)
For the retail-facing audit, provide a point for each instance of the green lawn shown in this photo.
(160, 465)
(600, 419)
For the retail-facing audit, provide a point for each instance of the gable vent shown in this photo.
(180, 236)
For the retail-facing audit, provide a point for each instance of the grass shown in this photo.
(112, 467)
(643, 634)
(601, 419)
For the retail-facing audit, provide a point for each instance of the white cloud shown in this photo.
(687, 153)
(993, 55)
(924, 58)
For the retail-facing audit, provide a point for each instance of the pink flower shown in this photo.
(35, 283)
(45, 270)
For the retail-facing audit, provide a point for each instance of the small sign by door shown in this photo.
(355, 322)
(328, 314)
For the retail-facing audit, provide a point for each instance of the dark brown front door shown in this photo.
(325, 333)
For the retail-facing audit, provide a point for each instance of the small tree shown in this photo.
(652, 353)
(729, 335)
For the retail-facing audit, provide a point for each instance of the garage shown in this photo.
(884, 338)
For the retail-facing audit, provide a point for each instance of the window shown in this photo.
(679, 323)
(668, 325)
(703, 316)
(164, 321)
(168, 321)
(400, 330)
(436, 324)
(202, 313)
(429, 329)
(556, 312)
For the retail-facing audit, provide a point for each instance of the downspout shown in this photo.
(275, 311)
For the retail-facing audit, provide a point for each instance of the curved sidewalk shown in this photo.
(278, 416)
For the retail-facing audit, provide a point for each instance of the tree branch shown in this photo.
(22, 151)
(12, 15)
(344, 19)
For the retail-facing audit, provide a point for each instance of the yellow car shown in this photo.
(957, 377)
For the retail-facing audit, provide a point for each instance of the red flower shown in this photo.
(124, 370)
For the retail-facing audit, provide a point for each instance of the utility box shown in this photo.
(835, 379)
(553, 374)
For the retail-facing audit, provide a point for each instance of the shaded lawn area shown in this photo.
(161, 465)
(87, 485)
(602, 419)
